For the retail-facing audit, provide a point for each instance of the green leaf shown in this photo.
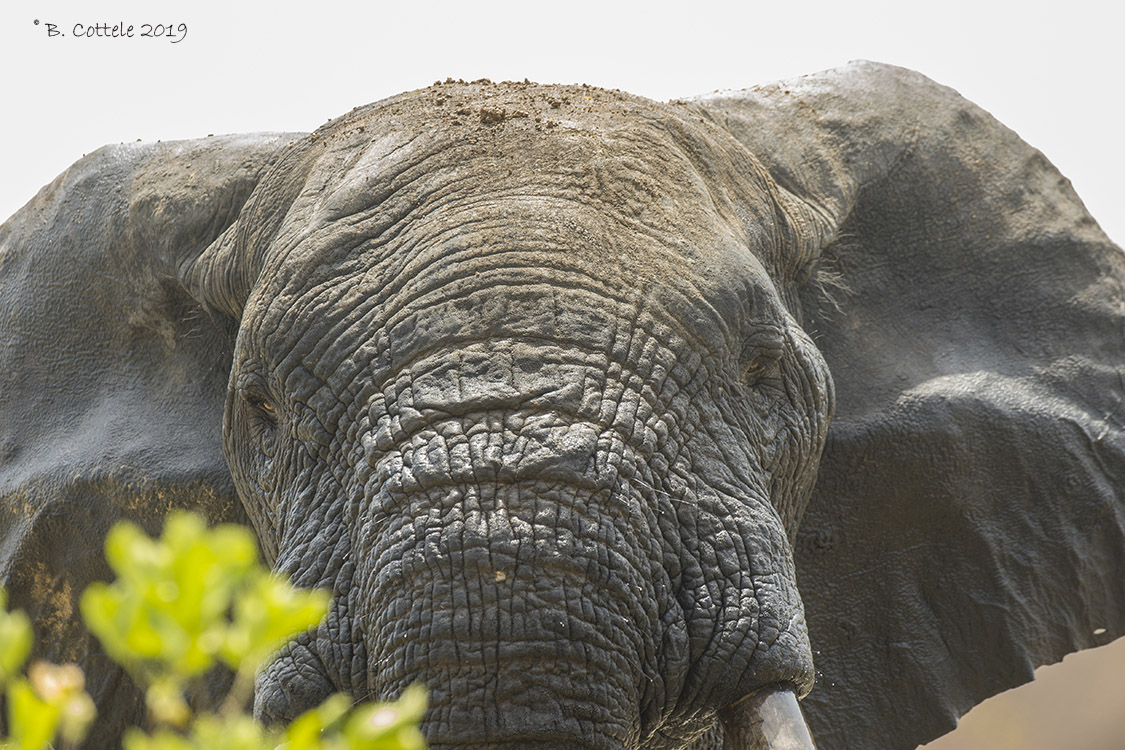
(388, 726)
(168, 609)
(309, 729)
(197, 594)
(179, 602)
(165, 701)
(210, 732)
(62, 686)
(15, 641)
(371, 726)
(33, 720)
(269, 612)
(163, 739)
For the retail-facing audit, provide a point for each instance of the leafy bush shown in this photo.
(182, 604)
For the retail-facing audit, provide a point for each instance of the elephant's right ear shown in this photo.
(113, 374)
(968, 522)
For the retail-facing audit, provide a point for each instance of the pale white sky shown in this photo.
(1050, 70)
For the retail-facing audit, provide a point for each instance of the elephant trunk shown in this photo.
(523, 606)
(767, 720)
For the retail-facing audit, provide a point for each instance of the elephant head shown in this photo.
(539, 380)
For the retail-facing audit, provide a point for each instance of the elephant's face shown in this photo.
(519, 373)
(530, 395)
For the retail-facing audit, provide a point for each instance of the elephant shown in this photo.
(618, 424)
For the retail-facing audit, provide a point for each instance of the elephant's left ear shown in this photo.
(968, 522)
(112, 375)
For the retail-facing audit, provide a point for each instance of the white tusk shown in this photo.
(770, 719)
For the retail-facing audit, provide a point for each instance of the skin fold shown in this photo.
(540, 382)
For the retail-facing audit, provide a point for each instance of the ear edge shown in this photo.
(854, 144)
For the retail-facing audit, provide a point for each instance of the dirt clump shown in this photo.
(492, 115)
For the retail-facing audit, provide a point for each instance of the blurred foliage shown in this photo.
(49, 702)
(182, 604)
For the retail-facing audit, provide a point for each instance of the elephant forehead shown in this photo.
(452, 155)
(523, 278)
(623, 208)
(413, 203)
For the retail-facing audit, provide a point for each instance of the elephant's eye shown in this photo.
(261, 404)
(761, 355)
(752, 370)
(757, 369)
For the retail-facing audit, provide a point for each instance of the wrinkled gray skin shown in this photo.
(537, 380)
(557, 483)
